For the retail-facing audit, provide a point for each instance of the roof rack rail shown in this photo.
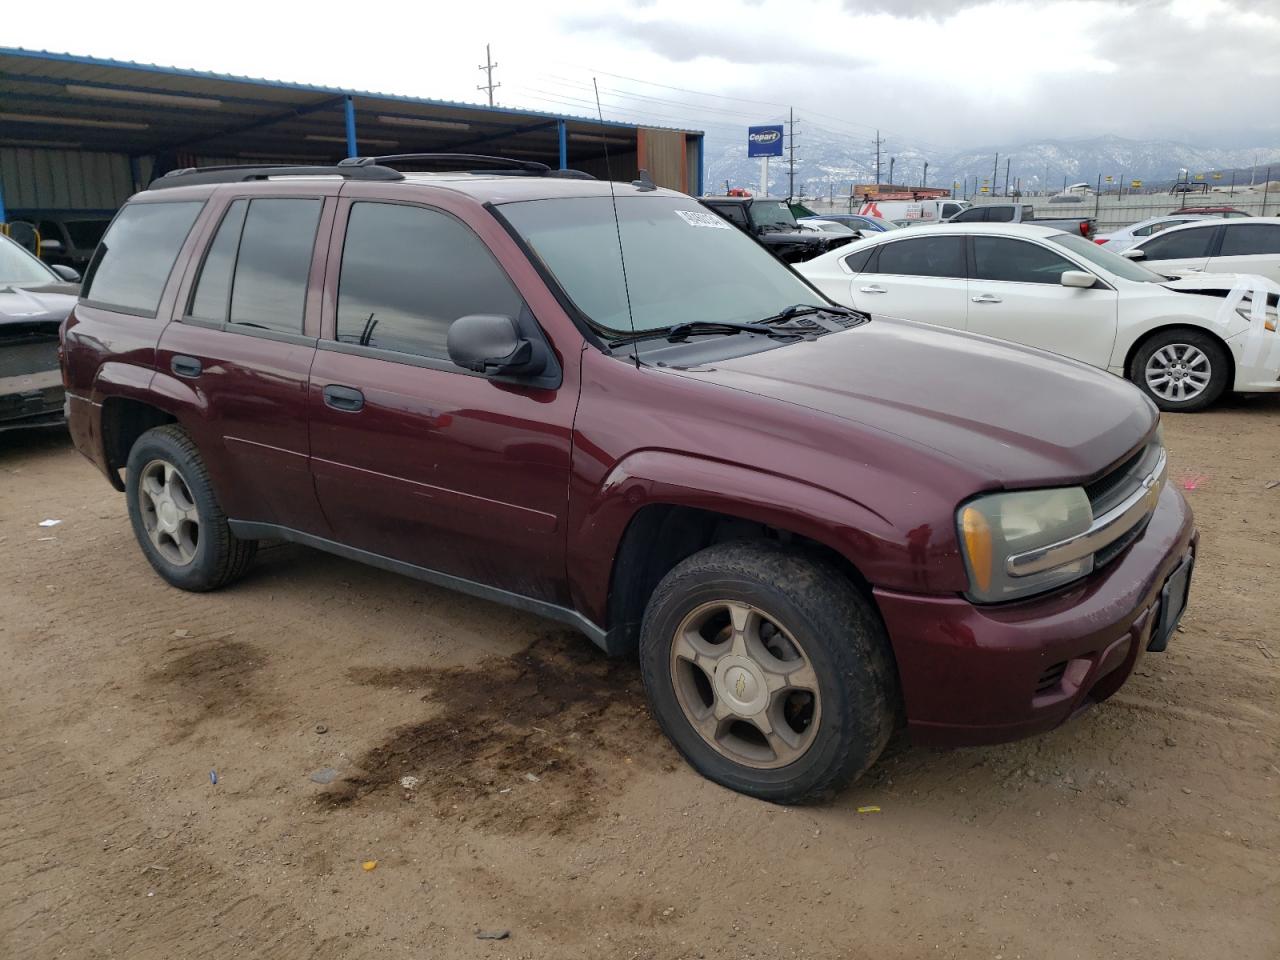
(462, 162)
(238, 173)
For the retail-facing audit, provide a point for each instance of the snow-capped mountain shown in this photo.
(827, 161)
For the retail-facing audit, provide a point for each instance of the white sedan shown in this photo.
(1237, 245)
(1121, 240)
(1182, 340)
(827, 226)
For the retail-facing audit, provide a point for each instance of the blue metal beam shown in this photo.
(702, 161)
(349, 108)
(3, 215)
(563, 136)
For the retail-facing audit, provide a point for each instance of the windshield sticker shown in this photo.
(703, 218)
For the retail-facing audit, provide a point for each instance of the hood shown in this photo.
(1021, 417)
(48, 303)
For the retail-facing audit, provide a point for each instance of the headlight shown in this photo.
(996, 527)
(1245, 310)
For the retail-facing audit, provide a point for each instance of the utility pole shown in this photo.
(1006, 175)
(1232, 191)
(878, 142)
(995, 175)
(791, 158)
(488, 67)
(924, 181)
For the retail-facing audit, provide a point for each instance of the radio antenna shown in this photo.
(617, 224)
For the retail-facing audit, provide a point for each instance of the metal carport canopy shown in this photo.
(170, 117)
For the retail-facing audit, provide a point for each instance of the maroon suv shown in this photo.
(601, 403)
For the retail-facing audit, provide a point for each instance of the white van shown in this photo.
(930, 211)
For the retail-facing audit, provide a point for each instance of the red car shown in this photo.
(809, 526)
(1224, 212)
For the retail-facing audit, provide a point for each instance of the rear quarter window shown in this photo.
(137, 253)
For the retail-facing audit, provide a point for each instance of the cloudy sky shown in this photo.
(935, 73)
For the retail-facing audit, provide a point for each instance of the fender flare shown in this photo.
(661, 477)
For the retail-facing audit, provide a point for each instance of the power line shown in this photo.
(768, 103)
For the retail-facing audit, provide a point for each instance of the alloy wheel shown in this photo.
(169, 512)
(1178, 372)
(745, 684)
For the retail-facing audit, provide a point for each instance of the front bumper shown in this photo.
(972, 674)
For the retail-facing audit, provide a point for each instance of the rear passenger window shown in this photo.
(132, 264)
(408, 273)
(269, 287)
(1000, 215)
(857, 262)
(923, 257)
(1248, 239)
(213, 289)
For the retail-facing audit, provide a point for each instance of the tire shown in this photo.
(178, 522)
(1184, 357)
(795, 604)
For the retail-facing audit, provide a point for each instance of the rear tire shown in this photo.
(1182, 371)
(768, 670)
(176, 517)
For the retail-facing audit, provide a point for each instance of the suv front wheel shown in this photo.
(175, 516)
(768, 670)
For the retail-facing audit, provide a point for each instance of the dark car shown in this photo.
(34, 300)
(66, 239)
(773, 224)
(809, 526)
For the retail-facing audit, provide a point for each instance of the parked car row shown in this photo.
(603, 404)
(1057, 291)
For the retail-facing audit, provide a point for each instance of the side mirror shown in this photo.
(1078, 278)
(65, 272)
(1134, 254)
(51, 246)
(495, 346)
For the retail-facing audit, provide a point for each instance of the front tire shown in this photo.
(768, 670)
(176, 518)
(1181, 370)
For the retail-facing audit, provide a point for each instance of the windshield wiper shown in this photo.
(682, 330)
(799, 309)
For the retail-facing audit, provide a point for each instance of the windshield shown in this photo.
(85, 234)
(883, 224)
(771, 213)
(18, 266)
(684, 263)
(1112, 263)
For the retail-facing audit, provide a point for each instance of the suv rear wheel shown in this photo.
(175, 516)
(768, 671)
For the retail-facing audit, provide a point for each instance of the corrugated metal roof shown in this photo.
(130, 75)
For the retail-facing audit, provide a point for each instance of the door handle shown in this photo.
(346, 399)
(872, 290)
(183, 366)
(986, 298)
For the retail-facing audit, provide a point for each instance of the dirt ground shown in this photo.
(546, 802)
